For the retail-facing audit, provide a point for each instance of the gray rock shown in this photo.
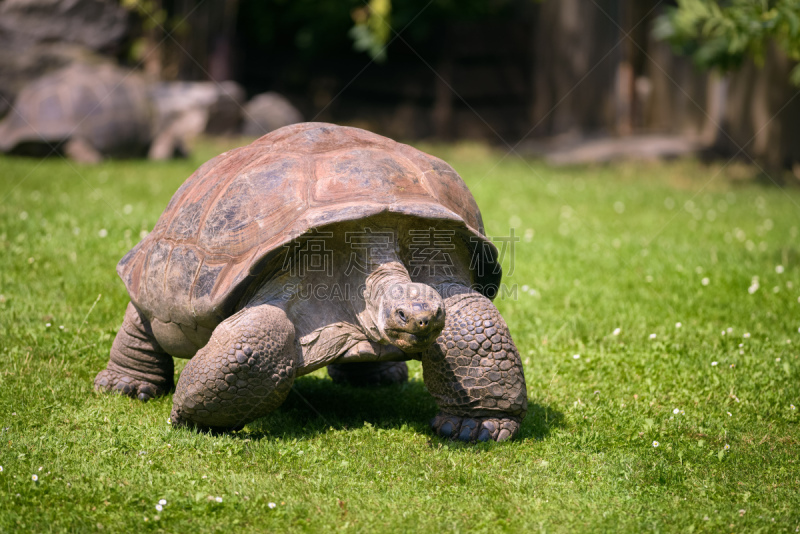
(99, 25)
(267, 112)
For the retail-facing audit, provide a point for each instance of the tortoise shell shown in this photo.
(239, 210)
(105, 105)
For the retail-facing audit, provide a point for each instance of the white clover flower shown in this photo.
(714, 364)
(103, 232)
(162, 502)
(35, 477)
(218, 499)
(729, 330)
(618, 330)
(746, 335)
(656, 444)
(705, 281)
(576, 356)
(723, 332)
(272, 505)
(47, 325)
(159, 507)
(652, 336)
(779, 269)
(727, 447)
(678, 325)
(676, 411)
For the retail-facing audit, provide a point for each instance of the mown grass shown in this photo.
(639, 247)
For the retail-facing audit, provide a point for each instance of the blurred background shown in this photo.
(572, 80)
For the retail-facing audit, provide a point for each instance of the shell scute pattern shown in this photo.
(255, 203)
(364, 174)
(319, 138)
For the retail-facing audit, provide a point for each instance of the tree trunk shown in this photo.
(762, 113)
(576, 54)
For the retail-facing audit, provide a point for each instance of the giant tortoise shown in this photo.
(87, 111)
(318, 245)
(92, 111)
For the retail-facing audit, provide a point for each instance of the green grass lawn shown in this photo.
(656, 312)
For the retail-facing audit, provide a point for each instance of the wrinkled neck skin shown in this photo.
(384, 270)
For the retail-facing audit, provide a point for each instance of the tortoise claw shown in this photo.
(110, 381)
(472, 429)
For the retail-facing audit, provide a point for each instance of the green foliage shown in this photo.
(624, 246)
(372, 28)
(724, 34)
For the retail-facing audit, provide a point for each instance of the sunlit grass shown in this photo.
(628, 248)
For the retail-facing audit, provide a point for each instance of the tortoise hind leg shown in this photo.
(244, 372)
(369, 373)
(82, 151)
(138, 366)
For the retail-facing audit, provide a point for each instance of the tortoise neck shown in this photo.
(383, 270)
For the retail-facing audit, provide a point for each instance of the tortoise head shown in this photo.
(411, 316)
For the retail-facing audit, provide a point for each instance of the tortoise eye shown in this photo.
(402, 315)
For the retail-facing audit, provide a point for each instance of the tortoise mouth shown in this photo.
(408, 342)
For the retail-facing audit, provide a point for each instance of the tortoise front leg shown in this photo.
(474, 371)
(244, 372)
(137, 366)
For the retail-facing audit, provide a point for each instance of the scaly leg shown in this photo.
(474, 371)
(244, 372)
(138, 366)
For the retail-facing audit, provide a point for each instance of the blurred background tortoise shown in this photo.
(85, 111)
(91, 111)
